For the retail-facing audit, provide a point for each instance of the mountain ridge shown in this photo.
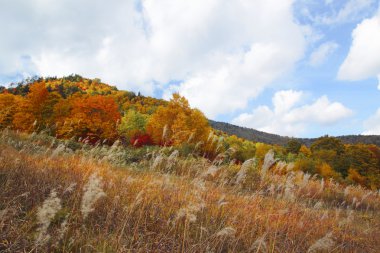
(259, 136)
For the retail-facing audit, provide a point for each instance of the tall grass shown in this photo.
(59, 197)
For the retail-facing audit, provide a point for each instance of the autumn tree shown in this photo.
(293, 146)
(177, 123)
(133, 125)
(305, 151)
(145, 105)
(36, 110)
(355, 177)
(363, 159)
(242, 149)
(262, 149)
(90, 116)
(306, 165)
(8, 107)
(328, 143)
(332, 151)
(326, 171)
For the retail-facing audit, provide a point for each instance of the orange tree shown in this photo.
(95, 117)
(36, 110)
(8, 107)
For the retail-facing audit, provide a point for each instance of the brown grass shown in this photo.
(176, 207)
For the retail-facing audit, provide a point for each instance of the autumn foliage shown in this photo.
(8, 107)
(35, 110)
(177, 123)
(94, 116)
(92, 112)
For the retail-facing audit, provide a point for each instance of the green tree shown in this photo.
(243, 149)
(293, 146)
(332, 151)
(133, 124)
(328, 143)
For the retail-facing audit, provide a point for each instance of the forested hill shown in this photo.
(259, 136)
(81, 110)
(74, 84)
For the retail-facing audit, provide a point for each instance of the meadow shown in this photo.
(63, 196)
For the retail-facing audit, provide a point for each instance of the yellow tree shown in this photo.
(326, 171)
(262, 149)
(177, 123)
(305, 150)
(355, 177)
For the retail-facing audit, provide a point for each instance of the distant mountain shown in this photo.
(258, 136)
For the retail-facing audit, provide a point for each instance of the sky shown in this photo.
(302, 68)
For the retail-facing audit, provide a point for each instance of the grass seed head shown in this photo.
(326, 243)
(92, 192)
(226, 232)
(45, 214)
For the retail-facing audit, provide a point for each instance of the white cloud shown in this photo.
(92, 38)
(320, 55)
(268, 49)
(372, 125)
(363, 59)
(285, 100)
(288, 119)
(219, 55)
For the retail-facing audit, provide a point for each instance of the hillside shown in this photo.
(88, 111)
(249, 134)
(70, 85)
(258, 136)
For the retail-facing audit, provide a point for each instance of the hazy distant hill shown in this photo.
(258, 136)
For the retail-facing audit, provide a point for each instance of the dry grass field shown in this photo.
(58, 196)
